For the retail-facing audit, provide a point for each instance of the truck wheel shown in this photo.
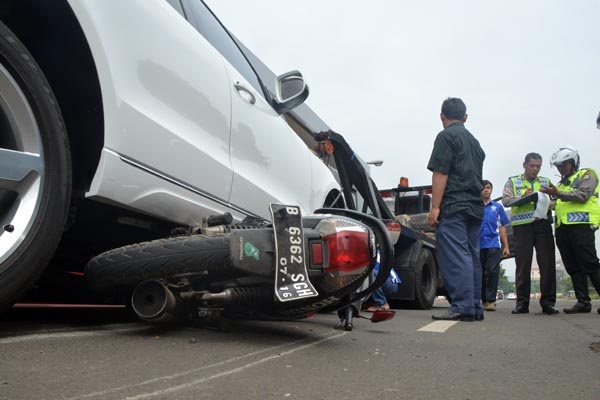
(125, 267)
(425, 280)
(35, 173)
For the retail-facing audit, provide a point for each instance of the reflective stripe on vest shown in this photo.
(572, 213)
(521, 215)
(578, 217)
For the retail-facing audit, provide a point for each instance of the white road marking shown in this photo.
(191, 371)
(437, 326)
(231, 371)
(106, 330)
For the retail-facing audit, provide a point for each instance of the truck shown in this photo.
(410, 205)
(415, 254)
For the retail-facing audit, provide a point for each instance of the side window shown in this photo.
(210, 27)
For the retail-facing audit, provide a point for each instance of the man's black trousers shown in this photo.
(578, 252)
(538, 235)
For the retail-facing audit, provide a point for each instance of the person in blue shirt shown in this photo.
(389, 288)
(493, 245)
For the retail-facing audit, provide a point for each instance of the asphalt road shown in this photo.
(105, 354)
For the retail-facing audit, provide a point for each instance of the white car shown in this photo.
(511, 296)
(121, 120)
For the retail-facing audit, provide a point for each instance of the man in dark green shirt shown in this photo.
(457, 211)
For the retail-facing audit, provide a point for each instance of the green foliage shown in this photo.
(564, 285)
(563, 282)
(504, 284)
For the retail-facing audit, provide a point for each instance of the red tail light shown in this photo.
(316, 253)
(348, 250)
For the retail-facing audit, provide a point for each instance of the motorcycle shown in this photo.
(290, 268)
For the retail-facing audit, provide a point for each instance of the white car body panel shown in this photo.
(321, 183)
(268, 158)
(171, 113)
(125, 184)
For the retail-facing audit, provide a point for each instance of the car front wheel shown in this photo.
(35, 177)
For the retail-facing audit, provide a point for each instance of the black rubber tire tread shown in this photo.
(424, 299)
(22, 268)
(127, 266)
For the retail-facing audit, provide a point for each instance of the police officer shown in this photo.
(530, 232)
(577, 219)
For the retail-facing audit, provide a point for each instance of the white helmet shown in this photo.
(565, 154)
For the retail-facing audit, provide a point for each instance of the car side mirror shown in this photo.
(291, 91)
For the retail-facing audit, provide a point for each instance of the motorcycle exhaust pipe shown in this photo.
(240, 295)
(154, 302)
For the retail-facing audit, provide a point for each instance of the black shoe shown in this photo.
(578, 309)
(520, 310)
(549, 310)
(478, 317)
(598, 310)
(454, 316)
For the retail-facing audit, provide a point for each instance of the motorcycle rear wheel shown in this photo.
(127, 266)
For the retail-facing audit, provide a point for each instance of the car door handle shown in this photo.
(241, 88)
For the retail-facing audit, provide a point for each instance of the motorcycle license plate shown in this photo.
(291, 276)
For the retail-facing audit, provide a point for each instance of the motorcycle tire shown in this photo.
(127, 266)
(35, 170)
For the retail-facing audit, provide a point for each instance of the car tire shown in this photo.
(122, 269)
(35, 172)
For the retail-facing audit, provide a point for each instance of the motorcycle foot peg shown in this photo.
(222, 219)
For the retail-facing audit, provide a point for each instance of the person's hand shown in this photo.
(505, 252)
(528, 192)
(434, 214)
(549, 190)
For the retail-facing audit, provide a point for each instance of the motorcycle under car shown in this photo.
(292, 268)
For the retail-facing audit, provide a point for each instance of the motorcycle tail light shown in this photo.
(316, 253)
(348, 250)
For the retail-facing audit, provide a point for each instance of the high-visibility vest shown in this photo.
(570, 212)
(523, 214)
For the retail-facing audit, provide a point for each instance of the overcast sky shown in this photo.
(529, 72)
